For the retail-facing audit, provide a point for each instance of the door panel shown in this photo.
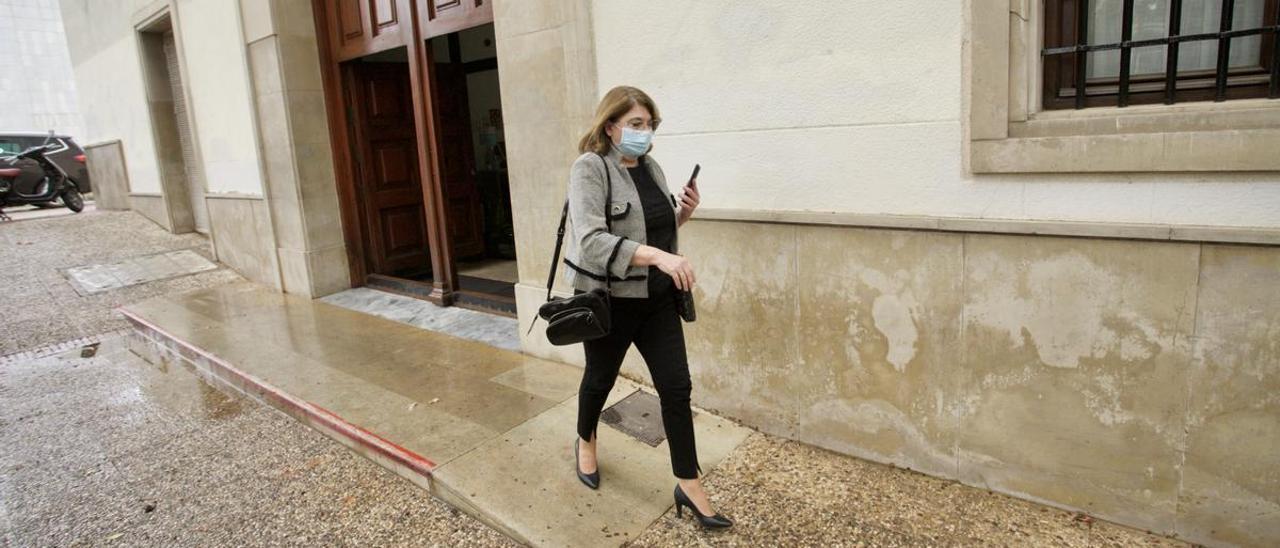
(364, 27)
(350, 19)
(457, 160)
(391, 159)
(383, 13)
(390, 187)
(402, 230)
(440, 17)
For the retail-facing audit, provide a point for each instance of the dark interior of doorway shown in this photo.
(473, 167)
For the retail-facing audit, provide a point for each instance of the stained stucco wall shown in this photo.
(856, 107)
(1133, 380)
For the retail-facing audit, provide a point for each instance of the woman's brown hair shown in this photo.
(614, 104)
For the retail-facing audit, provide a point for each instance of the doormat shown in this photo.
(99, 278)
(639, 416)
(486, 303)
(485, 285)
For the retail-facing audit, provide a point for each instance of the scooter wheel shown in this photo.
(73, 199)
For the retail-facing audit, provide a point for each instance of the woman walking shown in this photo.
(636, 248)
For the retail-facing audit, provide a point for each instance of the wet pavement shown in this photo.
(40, 306)
(110, 450)
(485, 429)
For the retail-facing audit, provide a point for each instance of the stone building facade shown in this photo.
(909, 249)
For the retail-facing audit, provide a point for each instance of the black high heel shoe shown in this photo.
(717, 521)
(592, 480)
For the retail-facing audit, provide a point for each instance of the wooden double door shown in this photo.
(402, 144)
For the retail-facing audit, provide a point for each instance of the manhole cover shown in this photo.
(98, 278)
(638, 415)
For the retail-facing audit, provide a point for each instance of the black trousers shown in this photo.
(654, 327)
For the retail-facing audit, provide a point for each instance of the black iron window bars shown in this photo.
(1126, 44)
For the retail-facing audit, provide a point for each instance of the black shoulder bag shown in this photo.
(584, 316)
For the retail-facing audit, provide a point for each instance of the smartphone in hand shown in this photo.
(692, 182)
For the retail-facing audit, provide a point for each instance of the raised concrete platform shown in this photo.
(488, 430)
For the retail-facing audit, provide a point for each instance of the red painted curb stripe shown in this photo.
(319, 414)
(426, 464)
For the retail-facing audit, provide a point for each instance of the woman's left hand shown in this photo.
(689, 201)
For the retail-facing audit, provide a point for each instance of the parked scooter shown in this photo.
(30, 178)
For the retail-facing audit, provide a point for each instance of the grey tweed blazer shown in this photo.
(593, 242)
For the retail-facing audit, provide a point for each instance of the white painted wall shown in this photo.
(221, 96)
(856, 106)
(109, 84)
(108, 73)
(35, 71)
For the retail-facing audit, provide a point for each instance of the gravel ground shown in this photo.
(109, 450)
(39, 306)
(783, 493)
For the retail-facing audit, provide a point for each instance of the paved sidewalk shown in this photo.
(39, 306)
(488, 430)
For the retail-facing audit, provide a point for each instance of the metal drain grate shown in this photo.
(58, 348)
(639, 416)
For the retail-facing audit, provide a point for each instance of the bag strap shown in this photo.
(564, 214)
(555, 257)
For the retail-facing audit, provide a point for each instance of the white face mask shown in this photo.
(635, 143)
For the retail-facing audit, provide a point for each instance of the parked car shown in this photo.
(67, 154)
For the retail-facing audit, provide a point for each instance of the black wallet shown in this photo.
(684, 305)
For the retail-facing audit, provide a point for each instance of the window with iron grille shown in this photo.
(1124, 52)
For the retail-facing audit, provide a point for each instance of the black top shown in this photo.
(659, 222)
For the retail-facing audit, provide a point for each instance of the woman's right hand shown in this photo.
(678, 268)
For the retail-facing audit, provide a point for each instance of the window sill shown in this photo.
(1187, 117)
(1220, 150)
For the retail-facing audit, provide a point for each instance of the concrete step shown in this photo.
(487, 430)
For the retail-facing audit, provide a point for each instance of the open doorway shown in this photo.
(181, 179)
(473, 167)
